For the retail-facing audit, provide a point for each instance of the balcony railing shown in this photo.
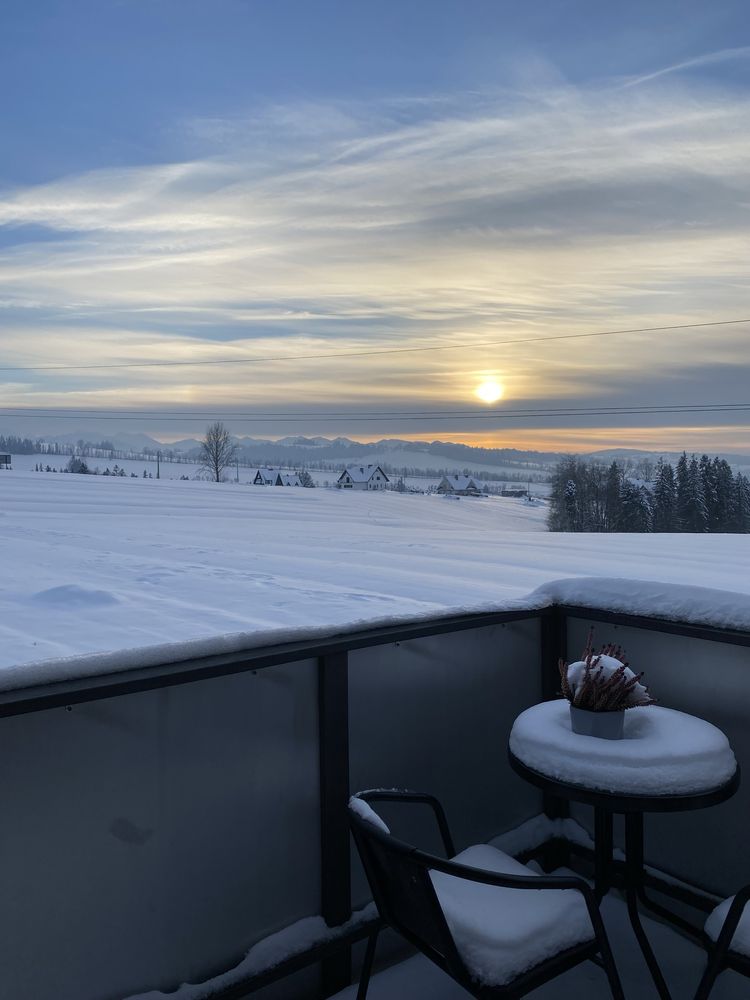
(162, 819)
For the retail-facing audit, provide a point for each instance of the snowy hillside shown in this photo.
(93, 563)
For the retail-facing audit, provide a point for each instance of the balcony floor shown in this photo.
(682, 964)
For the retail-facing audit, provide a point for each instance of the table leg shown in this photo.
(602, 852)
(633, 883)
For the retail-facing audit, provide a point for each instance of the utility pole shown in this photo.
(158, 460)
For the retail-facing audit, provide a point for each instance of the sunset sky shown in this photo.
(185, 180)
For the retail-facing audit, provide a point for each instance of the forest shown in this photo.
(697, 495)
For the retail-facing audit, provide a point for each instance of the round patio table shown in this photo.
(667, 761)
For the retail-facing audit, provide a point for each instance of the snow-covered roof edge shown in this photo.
(675, 602)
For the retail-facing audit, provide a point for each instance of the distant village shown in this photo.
(353, 477)
(372, 477)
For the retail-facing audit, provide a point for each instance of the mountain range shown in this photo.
(395, 454)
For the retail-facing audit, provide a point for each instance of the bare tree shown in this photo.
(217, 451)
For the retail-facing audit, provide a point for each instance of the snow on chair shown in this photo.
(727, 931)
(489, 922)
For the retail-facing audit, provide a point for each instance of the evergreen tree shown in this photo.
(740, 520)
(77, 465)
(709, 487)
(721, 517)
(572, 510)
(635, 508)
(664, 501)
(683, 510)
(612, 490)
(563, 512)
(698, 514)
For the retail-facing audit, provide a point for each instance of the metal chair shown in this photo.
(728, 947)
(497, 932)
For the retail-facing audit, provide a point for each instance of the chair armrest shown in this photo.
(405, 795)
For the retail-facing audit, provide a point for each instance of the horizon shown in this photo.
(254, 209)
(169, 439)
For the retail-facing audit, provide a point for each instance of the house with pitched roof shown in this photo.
(460, 486)
(275, 477)
(265, 477)
(362, 477)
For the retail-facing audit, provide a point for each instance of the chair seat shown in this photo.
(500, 932)
(715, 921)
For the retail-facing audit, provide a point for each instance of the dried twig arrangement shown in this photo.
(603, 681)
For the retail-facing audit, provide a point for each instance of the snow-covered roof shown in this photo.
(462, 483)
(362, 473)
(290, 479)
(267, 475)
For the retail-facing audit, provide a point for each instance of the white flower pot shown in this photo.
(605, 725)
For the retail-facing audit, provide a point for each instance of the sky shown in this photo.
(465, 184)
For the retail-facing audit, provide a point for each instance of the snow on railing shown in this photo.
(689, 605)
(267, 954)
(682, 603)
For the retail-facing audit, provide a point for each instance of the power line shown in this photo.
(370, 354)
(252, 414)
(228, 414)
(541, 412)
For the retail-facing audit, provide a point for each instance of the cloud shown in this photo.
(707, 59)
(315, 227)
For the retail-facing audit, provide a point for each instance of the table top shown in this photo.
(667, 760)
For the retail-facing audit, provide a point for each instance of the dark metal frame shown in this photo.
(632, 807)
(390, 865)
(720, 954)
(331, 655)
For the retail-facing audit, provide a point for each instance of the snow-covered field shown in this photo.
(98, 564)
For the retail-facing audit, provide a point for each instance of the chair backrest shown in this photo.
(404, 893)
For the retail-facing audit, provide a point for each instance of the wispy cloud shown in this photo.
(707, 59)
(313, 226)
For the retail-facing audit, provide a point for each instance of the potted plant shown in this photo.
(600, 687)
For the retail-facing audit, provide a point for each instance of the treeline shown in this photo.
(698, 495)
(103, 450)
(80, 468)
(11, 445)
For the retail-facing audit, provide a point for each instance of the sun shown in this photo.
(489, 391)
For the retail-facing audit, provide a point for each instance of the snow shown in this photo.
(266, 954)
(663, 752)
(603, 666)
(461, 482)
(715, 921)
(681, 961)
(133, 572)
(363, 473)
(664, 588)
(501, 932)
(538, 830)
(366, 812)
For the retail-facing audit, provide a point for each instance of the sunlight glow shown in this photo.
(489, 391)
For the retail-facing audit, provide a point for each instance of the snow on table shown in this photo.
(663, 752)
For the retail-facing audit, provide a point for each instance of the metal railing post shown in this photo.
(553, 645)
(335, 864)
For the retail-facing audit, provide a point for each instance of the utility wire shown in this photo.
(370, 354)
(252, 414)
(546, 413)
